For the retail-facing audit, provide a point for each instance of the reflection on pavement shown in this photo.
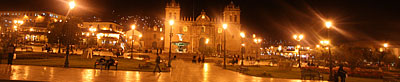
(180, 72)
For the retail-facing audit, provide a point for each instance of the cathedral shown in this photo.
(202, 33)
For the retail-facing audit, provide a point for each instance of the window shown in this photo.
(155, 29)
(174, 15)
(185, 29)
(235, 19)
(170, 15)
(160, 29)
(203, 29)
(230, 18)
(219, 30)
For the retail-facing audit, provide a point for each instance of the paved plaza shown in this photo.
(182, 71)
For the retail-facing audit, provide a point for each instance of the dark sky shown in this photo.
(277, 19)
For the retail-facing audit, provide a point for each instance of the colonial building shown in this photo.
(195, 34)
(103, 34)
(32, 26)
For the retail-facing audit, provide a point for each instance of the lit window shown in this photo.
(160, 29)
(219, 30)
(155, 28)
(185, 29)
(204, 29)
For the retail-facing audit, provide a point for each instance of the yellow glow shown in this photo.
(31, 29)
(15, 21)
(140, 36)
(162, 38)
(295, 36)
(72, 4)
(242, 34)
(133, 27)
(380, 49)
(243, 44)
(298, 46)
(272, 47)
(325, 42)
(326, 47)
(203, 17)
(386, 45)
(255, 40)
(39, 17)
(55, 20)
(171, 22)
(328, 24)
(259, 40)
(280, 48)
(15, 27)
(301, 36)
(92, 29)
(254, 35)
(207, 40)
(225, 26)
(318, 46)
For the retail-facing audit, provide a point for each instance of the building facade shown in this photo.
(196, 34)
(102, 34)
(31, 26)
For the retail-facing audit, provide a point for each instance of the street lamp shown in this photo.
(71, 4)
(225, 26)
(328, 25)
(207, 40)
(385, 45)
(299, 38)
(242, 49)
(133, 41)
(171, 23)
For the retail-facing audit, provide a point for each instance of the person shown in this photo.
(174, 56)
(90, 53)
(11, 51)
(194, 59)
(103, 60)
(199, 59)
(342, 73)
(110, 62)
(158, 59)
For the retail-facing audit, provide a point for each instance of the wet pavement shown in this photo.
(181, 72)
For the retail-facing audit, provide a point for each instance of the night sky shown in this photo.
(275, 19)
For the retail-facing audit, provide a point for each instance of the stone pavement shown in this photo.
(181, 72)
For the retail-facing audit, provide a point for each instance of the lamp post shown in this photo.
(385, 45)
(133, 41)
(242, 49)
(71, 6)
(299, 38)
(207, 40)
(18, 24)
(171, 23)
(328, 25)
(225, 26)
(257, 41)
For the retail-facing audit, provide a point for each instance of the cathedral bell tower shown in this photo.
(172, 12)
(231, 17)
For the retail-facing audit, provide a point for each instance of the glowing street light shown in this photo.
(207, 40)
(225, 26)
(328, 24)
(242, 34)
(71, 4)
(299, 38)
(133, 27)
(162, 38)
(385, 45)
(171, 23)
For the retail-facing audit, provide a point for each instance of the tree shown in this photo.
(66, 33)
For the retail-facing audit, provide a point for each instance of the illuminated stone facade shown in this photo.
(190, 35)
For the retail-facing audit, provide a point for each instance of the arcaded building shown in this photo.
(195, 34)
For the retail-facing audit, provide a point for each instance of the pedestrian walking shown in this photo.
(342, 74)
(10, 51)
(199, 59)
(194, 59)
(157, 64)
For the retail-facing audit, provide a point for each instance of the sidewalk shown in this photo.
(181, 72)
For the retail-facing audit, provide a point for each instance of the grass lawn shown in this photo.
(76, 61)
(268, 71)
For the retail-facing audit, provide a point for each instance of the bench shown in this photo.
(311, 74)
(105, 64)
(113, 64)
(100, 63)
(242, 69)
